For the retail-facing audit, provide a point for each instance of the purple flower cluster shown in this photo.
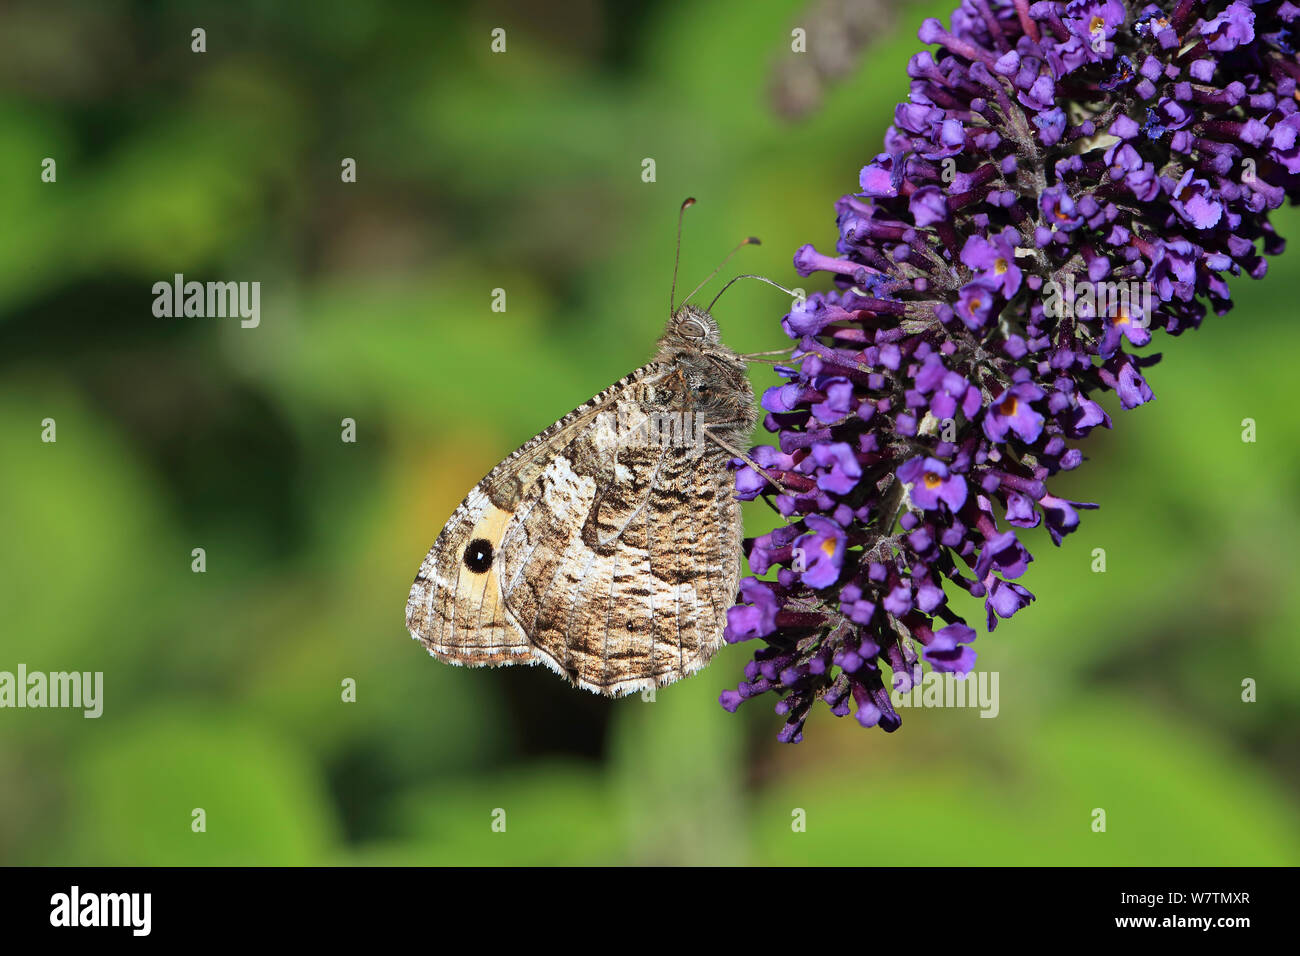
(1046, 148)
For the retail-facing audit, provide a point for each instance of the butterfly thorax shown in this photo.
(704, 379)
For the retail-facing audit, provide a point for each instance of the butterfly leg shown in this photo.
(748, 460)
(762, 357)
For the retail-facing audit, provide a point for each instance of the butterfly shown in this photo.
(608, 547)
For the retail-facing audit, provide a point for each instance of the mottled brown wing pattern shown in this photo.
(639, 597)
(613, 562)
(605, 550)
(445, 593)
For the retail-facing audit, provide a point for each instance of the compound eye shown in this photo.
(691, 328)
(702, 390)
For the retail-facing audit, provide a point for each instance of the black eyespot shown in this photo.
(702, 389)
(478, 555)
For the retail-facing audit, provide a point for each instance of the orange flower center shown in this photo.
(1008, 406)
(1000, 265)
(932, 480)
(828, 547)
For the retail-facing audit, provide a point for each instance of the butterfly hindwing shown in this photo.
(637, 598)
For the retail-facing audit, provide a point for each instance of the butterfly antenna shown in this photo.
(777, 285)
(672, 295)
(750, 241)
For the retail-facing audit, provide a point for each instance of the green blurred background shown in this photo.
(1119, 690)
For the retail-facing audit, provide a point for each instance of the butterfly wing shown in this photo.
(613, 561)
(638, 596)
(454, 609)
